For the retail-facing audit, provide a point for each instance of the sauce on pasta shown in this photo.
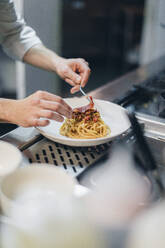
(86, 123)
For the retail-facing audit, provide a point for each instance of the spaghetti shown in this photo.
(86, 124)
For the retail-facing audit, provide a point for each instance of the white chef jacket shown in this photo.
(16, 37)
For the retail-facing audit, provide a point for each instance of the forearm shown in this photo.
(42, 57)
(7, 110)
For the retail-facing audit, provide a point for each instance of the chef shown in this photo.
(20, 42)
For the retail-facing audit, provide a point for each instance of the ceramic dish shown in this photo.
(30, 183)
(10, 158)
(112, 114)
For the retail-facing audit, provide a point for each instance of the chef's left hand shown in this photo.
(76, 72)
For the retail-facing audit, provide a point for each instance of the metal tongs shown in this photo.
(90, 105)
(148, 164)
(82, 91)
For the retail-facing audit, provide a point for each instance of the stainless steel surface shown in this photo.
(21, 137)
(154, 126)
(158, 149)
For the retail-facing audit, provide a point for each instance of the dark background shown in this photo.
(106, 33)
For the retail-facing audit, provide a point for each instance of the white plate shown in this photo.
(113, 115)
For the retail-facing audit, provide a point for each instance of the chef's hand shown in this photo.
(27, 112)
(76, 72)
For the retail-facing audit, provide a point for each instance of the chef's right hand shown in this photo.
(27, 112)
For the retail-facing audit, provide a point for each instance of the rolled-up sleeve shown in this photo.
(16, 37)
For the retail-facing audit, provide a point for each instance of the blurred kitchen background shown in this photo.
(115, 37)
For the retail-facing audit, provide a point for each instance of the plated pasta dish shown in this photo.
(86, 123)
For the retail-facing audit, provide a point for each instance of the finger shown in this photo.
(72, 84)
(83, 60)
(85, 76)
(51, 97)
(84, 71)
(69, 81)
(40, 123)
(51, 115)
(73, 76)
(75, 89)
(56, 107)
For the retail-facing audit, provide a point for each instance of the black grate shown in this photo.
(72, 159)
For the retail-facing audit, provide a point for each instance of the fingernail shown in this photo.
(72, 91)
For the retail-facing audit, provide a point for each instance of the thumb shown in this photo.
(74, 77)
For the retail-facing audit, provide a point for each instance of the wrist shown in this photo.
(7, 110)
(56, 62)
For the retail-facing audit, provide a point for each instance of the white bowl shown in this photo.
(10, 158)
(28, 183)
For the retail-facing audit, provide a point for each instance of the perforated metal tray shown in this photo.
(73, 160)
